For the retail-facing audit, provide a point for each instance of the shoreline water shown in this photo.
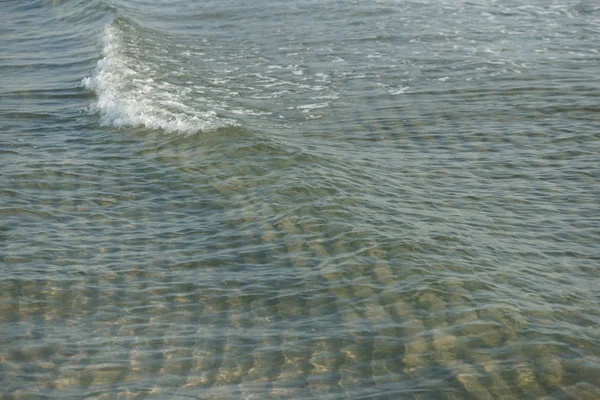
(300, 200)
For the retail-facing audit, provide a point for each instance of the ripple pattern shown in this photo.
(405, 205)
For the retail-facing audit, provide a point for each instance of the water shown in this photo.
(300, 199)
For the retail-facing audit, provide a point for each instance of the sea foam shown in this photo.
(131, 93)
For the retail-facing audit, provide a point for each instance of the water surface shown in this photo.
(300, 199)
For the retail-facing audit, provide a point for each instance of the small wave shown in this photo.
(130, 92)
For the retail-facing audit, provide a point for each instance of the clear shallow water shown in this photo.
(299, 199)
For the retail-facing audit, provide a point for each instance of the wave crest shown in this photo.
(130, 92)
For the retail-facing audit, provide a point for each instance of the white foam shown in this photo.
(128, 95)
(398, 90)
(309, 107)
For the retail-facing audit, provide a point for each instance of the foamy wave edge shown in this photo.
(126, 97)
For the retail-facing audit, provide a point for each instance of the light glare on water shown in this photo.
(299, 200)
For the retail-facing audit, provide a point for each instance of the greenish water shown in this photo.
(299, 200)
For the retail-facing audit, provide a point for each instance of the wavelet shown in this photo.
(131, 92)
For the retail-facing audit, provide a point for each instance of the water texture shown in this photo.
(300, 199)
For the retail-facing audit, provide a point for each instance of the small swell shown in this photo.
(130, 92)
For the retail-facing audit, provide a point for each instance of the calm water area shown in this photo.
(336, 199)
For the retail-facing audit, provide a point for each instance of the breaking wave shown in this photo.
(130, 91)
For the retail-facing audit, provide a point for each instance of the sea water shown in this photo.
(299, 199)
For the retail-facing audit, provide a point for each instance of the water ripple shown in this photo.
(406, 207)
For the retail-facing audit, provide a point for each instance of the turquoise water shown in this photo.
(299, 200)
